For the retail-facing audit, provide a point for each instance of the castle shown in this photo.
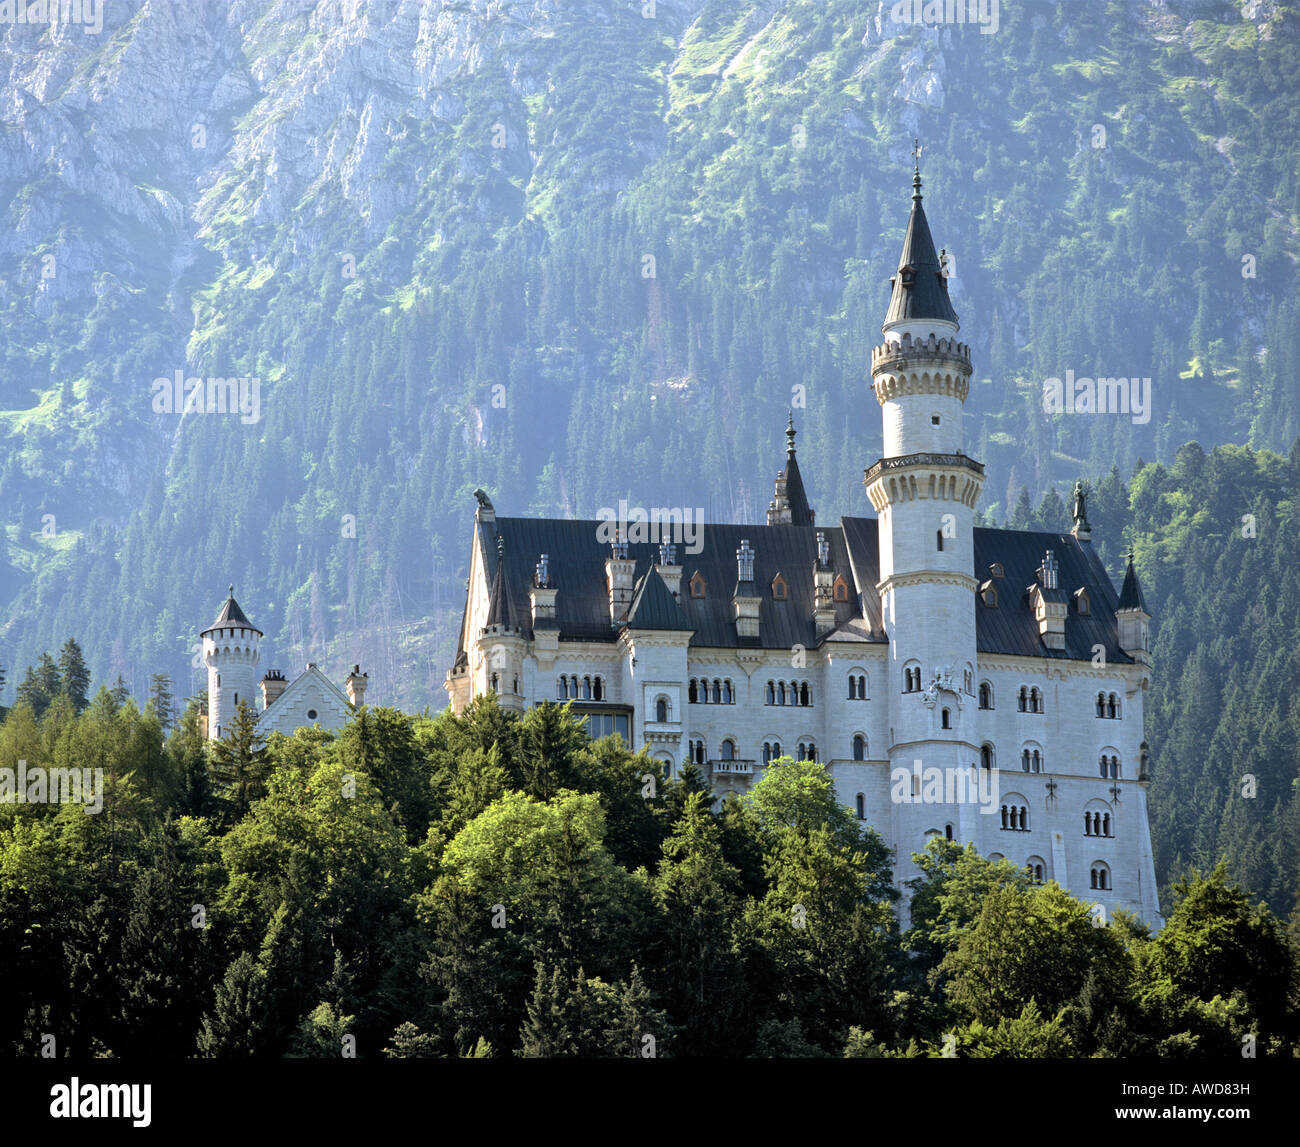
(985, 685)
(232, 651)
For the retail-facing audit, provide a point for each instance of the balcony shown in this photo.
(731, 768)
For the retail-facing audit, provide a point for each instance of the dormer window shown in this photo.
(1083, 603)
(698, 584)
(989, 595)
(780, 590)
(995, 570)
(841, 592)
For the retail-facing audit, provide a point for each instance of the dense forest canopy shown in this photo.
(489, 885)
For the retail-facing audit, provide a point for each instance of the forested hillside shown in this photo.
(570, 253)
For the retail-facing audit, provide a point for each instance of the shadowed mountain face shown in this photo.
(282, 284)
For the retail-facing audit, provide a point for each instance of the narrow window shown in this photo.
(859, 748)
(938, 537)
(661, 710)
(862, 807)
(947, 719)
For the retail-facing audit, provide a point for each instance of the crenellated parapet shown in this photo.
(909, 365)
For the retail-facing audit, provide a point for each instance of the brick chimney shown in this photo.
(273, 684)
(356, 685)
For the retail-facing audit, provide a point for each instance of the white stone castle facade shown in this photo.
(937, 669)
(232, 653)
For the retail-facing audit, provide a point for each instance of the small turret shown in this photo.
(1133, 617)
(231, 653)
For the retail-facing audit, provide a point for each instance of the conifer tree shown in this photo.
(75, 677)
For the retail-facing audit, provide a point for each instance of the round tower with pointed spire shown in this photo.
(231, 653)
(924, 490)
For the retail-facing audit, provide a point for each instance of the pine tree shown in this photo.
(40, 685)
(75, 676)
(162, 700)
(239, 762)
(119, 694)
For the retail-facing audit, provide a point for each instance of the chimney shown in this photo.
(356, 686)
(669, 570)
(745, 599)
(273, 684)
(1049, 606)
(543, 594)
(619, 570)
(823, 587)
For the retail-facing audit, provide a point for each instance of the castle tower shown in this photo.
(924, 491)
(230, 651)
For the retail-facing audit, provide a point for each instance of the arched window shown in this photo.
(692, 693)
(859, 747)
(1112, 706)
(495, 686)
(1035, 701)
(236, 698)
(841, 590)
(967, 678)
(1035, 866)
(661, 710)
(728, 749)
(573, 686)
(1024, 761)
(1100, 877)
(770, 697)
(1105, 824)
(1022, 700)
(717, 691)
(986, 756)
(779, 589)
(780, 692)
(515, 687)
(986, 695)
(946, 719)
(728, 696)
(805, 698)
(912, 679)
(1101, 704)
(697, 584)
(586, 688)
(1035, 762)
(862, 807)
(560, 689)
(938, 540)
(598, 689)
(947, 831)
(1015, 815)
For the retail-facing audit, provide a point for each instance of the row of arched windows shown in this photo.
(1108, 706)
(1015, 817)
(1032, 760)
(574, 688)
(1029, 700)
(495, 681)
(788, 693)
(698, 753)
(1101, 878)
(857, 686)
(807, 751)
(1096, 824)
(702, 691)
(1099, 872)
(771, 751)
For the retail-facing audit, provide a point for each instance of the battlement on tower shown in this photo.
(896, 350)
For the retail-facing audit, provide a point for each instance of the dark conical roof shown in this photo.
(232, 617)
(654, 607)
(1130, 596)
(920, 290)
(501, 604)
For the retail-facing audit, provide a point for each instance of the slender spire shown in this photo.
(789, 505)
(789, 435)
(1130, 594)
(920, 288)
